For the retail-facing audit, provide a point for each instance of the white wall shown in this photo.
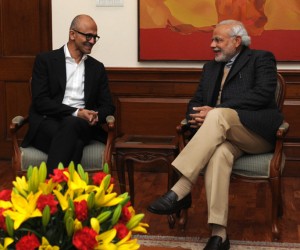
(117, 27)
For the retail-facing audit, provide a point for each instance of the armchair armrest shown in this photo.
(110, 123)
(183, 134)
(275, 166)
(283, 129)
(183, 122)
(16, 124)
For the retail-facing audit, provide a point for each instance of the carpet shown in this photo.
(195, 243)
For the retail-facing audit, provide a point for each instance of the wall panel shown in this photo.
(149, 115)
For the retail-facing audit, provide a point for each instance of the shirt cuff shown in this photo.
(75, 113)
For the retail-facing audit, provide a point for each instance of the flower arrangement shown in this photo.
(67, 211)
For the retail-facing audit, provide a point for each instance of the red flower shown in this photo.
(81, 210)
(59, 175)
(5, 195)
(122, 230)
(98, 177)
(85, 239)
(126, 215)
(28, 242)
(2, 219)
(47, 199)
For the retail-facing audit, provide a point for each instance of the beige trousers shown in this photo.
(217, 144)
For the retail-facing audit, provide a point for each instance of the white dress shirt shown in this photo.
(74, 93)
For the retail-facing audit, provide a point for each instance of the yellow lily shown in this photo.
(63, 199)
(106, 200)
(140, 228)
(81, 197)
(21, 185)
(7, 242)
(77, 225)
(110, 188)
(23, 208)
(131, 210)
(76, 184)
(5, 204)
(104, 240)
(48, 187)
(95, 224)
(46, 246)
(127, 244)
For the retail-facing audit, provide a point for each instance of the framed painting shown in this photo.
(177, 30)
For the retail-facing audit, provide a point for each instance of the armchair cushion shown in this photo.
(255, 166)
(90, 157)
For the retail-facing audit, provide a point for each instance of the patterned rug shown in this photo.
(195, 243)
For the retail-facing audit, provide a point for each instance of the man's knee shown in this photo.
(225, 113)
(226, 153)
(223, 116)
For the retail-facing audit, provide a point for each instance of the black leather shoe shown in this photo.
(168, 204)
(215, 243)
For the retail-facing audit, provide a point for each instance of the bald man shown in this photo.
(70, 97)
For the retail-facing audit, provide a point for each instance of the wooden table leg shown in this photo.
(130, 169)
(121, 172)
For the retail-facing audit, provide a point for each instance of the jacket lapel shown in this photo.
(215, 81)
(239, 63)
(59, 65)
(88, 81)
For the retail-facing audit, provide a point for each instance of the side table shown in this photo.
(143, 149)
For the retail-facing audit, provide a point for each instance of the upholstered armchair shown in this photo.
(94, 156)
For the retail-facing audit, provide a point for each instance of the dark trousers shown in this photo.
(63, 140)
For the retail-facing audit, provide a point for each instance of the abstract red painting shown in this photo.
(171, 30)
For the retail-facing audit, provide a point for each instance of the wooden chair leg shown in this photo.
(182, 217)
(171, 221)
(280, 202)
(275, 189)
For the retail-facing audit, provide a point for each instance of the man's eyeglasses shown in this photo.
(88, 36)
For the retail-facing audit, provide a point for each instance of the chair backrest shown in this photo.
(280, 91)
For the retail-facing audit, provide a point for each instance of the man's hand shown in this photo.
(198, 118)
(89, 115)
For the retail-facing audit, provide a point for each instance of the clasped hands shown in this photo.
(199, 116)
(89, 115)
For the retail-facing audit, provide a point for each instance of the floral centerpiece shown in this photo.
(68, 210)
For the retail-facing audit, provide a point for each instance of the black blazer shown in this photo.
(48, 88)
(249, 89)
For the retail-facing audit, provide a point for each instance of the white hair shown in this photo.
(237, 29)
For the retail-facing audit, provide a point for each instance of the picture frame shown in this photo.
(175, 30)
